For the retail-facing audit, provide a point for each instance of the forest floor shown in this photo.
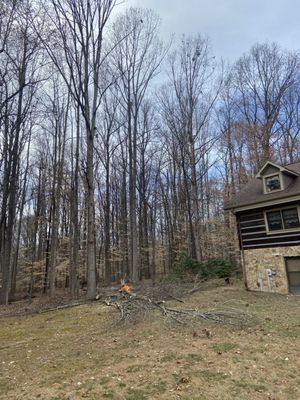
(83, 353)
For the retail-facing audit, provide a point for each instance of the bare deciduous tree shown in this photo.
(137, 59)
(77, 52)
(262, 78)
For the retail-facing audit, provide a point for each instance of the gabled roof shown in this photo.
(253, 196)
(280, 168)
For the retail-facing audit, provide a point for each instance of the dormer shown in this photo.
(275, 178)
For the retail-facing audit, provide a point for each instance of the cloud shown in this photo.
(232, 25)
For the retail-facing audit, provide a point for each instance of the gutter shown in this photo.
(252, 206)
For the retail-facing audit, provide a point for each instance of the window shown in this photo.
(274, 220)
(272, 183)
(293, 273)
(279, 220)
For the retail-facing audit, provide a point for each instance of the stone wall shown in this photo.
(257, 262)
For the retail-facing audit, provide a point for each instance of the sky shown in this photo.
(232, 26)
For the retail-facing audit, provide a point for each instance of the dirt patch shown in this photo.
(35, 305)
(81, 353)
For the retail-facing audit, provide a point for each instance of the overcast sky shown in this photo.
(233, 26)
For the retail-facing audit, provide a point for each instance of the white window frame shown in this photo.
(270, 176)
(271, 232)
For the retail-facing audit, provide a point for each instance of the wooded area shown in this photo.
(118, 150)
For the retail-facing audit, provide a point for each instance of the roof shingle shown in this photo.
(252, 193)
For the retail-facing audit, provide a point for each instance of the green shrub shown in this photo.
(218, 268)
(186, 267)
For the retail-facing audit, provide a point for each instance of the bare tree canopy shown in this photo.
(118, 150)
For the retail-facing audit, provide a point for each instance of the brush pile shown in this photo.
(132, 307)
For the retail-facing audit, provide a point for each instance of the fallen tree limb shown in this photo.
(130, 306)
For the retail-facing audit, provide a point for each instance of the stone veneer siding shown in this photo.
(257, 261)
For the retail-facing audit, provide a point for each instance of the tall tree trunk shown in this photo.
(90, 203)
(75, 228)
(6, 258)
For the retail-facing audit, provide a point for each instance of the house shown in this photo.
(267, 212)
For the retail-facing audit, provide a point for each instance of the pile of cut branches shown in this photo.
(132, 307)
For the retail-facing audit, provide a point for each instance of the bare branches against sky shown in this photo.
(232, 25)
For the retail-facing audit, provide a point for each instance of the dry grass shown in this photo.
(78, 353)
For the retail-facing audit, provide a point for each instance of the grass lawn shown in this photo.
(81, 353)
